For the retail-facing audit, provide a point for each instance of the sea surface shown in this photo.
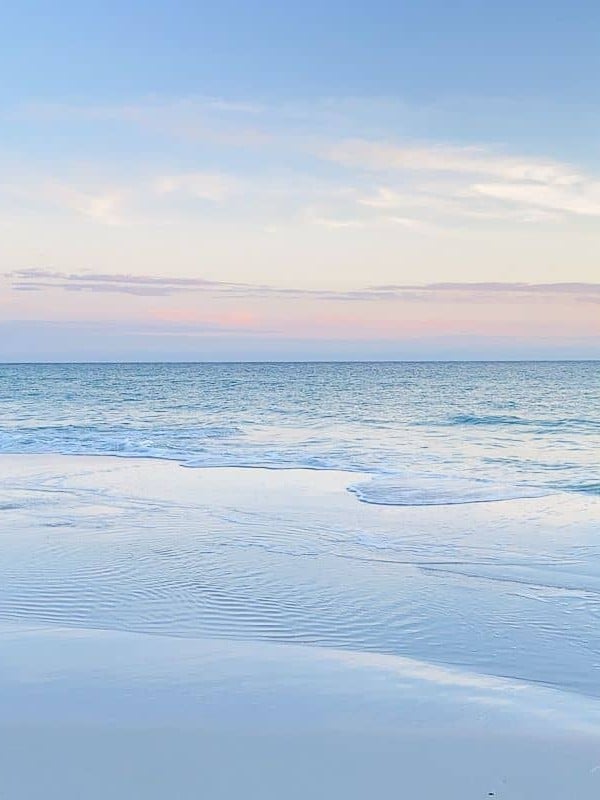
(447, 513)
(439, 432)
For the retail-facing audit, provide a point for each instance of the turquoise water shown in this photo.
(429, 432)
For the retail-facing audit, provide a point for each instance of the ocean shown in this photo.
(442, 512)
(438, 432)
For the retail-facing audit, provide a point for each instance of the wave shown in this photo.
(487, 419)
(439, 491)
(591, 487)
(386, 486)
(564, 424)
(509, 477)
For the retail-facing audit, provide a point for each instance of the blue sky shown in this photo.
(420, 51)
(316, 149)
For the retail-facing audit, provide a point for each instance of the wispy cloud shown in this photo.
(137, 200)
(34, 280)
(384, 179)
(375, 221)
(535, 188)
(149, 285)
(215, 187)
(499, 287)
(581, 198)
(306, 157)
(98, 282)
(375, 155)
(105, 206)
(233, 122)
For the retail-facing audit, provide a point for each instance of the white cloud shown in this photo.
(411, 224)
(105, 207)
(382, 156)
(582, 198)
(516, 189)
(439, 198)
(215, 187)
(387, 182)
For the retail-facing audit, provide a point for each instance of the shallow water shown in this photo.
(508, 588)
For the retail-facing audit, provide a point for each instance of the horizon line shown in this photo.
(309, 361)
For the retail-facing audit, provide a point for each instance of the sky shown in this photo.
(278, 181)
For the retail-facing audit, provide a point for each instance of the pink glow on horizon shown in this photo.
(234, 318)
(326, 315)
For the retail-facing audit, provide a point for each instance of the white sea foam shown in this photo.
(437, 491)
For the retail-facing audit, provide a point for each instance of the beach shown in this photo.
(235, 632)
